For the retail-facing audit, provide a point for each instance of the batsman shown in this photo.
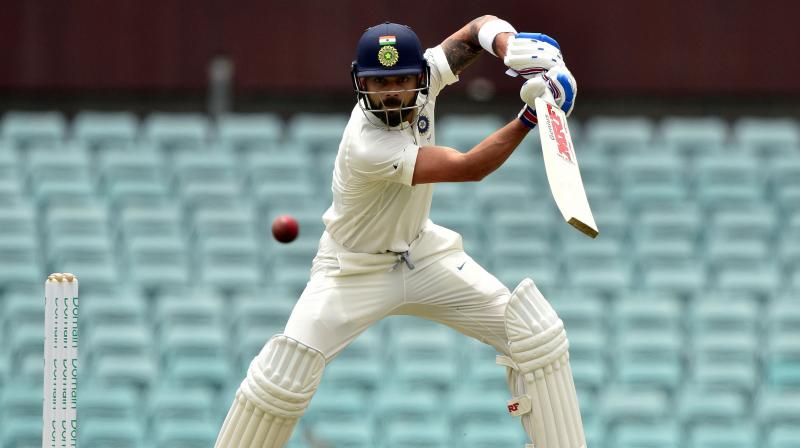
(381, 255)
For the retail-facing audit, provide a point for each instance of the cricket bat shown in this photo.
(562, 170)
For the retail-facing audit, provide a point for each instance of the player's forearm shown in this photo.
(494, 150)
(463, 47)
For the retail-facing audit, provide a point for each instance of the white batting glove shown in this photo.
(557, 86)
(531, 54)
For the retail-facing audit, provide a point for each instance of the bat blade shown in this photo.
(561, 166)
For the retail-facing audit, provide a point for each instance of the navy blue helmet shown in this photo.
(389, 49)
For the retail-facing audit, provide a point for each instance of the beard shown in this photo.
(392, 117)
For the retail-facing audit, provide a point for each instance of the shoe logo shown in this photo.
(462, 265)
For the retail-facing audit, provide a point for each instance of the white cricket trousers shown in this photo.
(348, 292)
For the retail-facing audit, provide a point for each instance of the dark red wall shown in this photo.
(626, 46)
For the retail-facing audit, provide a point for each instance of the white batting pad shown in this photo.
(539, 374)
(280, 383)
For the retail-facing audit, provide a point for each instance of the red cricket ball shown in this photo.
(285, 228)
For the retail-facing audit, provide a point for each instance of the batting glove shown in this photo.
(532, 54)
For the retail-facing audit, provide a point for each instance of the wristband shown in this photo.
(528, 117)
(490, 30)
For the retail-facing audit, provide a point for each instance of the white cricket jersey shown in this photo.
(375, 208)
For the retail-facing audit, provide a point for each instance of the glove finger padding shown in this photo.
(532, 89)
(530, 57)
(563, 87)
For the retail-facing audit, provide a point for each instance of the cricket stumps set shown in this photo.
(60, 403)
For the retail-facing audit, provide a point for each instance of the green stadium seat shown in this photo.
(117, 433)
(150, 221)
(201, 342)
(619, 404)
(619, 134)
(785, 171)
(17, 220)
(11, 191)
(723, 253)
(783, 436)
(595, 167)
(762, 281)
(650, 435)
(190, 310)
(468, 409)
(26, 343)
(288, 167)
(176, 130)
(782, 361)
(777, 407)
(731, 312)
(648, 310)
(649, 357)
(465, 131)
(344, 434)
(365, 376)
(134, 194)
(226, 223)
(81, 221)
(739, 435)
(492, 435)
(783, 315)
(21, 310)
(136, 372)
(659, 169)
(518, 169)
(665, 253)
(467, 222)
(696, 135)
(494, 197)
(276, 199)
(600, 252)
(391, 405)
(610, 278)
(131, 166)
(684, 280)
(453, 196)
(655, 197)
(247, 131)
(428, 434)
(757, 223)
(725, 359)
(319, 132)
(20, 432)
(587, 355)
(524, 223)
(194, 434)
(767, 136)
(269, 311)
(522, 253)
(25, 129)
(220, 196)
(21, 400)
(105, 129)
(106, 340)
(168, 403)
(613, 221)
(192, 167)
(787, 198)
(331, 405)
(682, 223)
(104, 403)
(158, 262)
(703, 404)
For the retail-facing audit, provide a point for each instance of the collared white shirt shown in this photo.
(375, 208)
